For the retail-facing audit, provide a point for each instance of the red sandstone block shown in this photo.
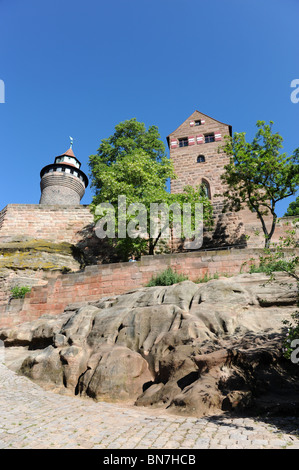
(91, 298)
(107, 292)
(137, 275)
(151, 269)
(51, 307)
(116, 285)
(67, 282)
(96, 278)
(38, 299)
(78, 287)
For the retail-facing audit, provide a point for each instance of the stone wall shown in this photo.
(13, 278)
(99, 281)
(61, 188)
(73, 224)
(188, 169)
(53, 223)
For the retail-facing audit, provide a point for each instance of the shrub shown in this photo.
(167, 278)
(20, 292)
(207, 278)
(270, 267)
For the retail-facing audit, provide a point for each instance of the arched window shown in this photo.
(206, 187)
(201, 159)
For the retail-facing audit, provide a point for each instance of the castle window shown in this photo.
(206, 188)
(209, 138)
(183, 142)
(201, 159)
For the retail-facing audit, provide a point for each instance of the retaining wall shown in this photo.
(100, 281)
(53, 223)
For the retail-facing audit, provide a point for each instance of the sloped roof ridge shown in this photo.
(196, 111)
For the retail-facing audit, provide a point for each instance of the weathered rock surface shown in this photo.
(194, 349)
(29, 262)
(30, 254)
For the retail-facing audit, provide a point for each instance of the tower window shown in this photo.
(206, 188)
(201, 159)
(209, 138)
(183, 142)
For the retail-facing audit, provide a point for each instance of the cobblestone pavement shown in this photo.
(34, 418)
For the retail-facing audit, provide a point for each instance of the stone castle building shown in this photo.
(62, 182)
(194, 151)
(193, 147)
(52, 246)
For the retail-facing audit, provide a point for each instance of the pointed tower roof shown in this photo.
(69, 153)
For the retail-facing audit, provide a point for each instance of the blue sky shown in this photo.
(74, 68)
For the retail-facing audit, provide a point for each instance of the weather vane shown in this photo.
(72, 140)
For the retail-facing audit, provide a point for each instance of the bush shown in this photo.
(167, 278)
(269, 268)
(207, 278)
(20, 292)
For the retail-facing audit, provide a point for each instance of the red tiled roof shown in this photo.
(69, 153)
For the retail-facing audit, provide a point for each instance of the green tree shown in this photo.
(129, 136)
(293, 209)
(133, 163)
(258, 175)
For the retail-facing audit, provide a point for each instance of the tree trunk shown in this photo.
(151, 249)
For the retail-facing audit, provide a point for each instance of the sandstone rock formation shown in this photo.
(30, 254)
(30, 262)
(191, 348)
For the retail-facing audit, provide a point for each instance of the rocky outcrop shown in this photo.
(194, 349)
(30, 262)
(30, 254)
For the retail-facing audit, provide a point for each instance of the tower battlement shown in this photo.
(62, 182)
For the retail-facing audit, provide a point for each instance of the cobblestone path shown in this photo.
(34, 418)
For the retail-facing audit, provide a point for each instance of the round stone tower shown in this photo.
(62, 182)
